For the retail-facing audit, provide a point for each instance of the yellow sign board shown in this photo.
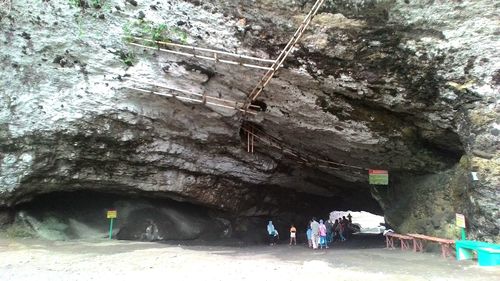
(112, 214)
(460, 220)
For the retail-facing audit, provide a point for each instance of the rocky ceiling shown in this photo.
(407, 86)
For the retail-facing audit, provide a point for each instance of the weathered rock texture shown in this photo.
(407, 86)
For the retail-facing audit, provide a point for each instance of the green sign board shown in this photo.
(378, 177)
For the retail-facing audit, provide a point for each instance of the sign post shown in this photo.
(378, 177)
(460, 221)
(111, 216)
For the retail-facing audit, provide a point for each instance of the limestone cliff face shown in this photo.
(407, 86)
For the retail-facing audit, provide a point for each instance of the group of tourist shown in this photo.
(319, 234)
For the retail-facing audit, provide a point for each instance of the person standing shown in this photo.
(309, 235)
(345, 226)
(341, 229)
(322, 235)
(272, 232)
(335, 230)
(293, 235)
(315, 233)
(329, 232)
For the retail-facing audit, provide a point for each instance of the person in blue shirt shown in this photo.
(309, 234)
(272, 232)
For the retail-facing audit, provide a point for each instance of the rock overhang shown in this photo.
(364, 91)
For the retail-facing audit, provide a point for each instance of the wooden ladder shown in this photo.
(283, 55)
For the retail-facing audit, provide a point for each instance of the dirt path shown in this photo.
(120, 260)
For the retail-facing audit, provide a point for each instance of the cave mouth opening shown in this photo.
(361, 222)
(364, 231)
(68, 215)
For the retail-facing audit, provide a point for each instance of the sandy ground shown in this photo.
(29, 259)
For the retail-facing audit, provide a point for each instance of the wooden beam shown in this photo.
(214, 59)
(205, 50)
(182, 98)
(208, 97)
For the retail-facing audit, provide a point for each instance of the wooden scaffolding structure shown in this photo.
(246, 107)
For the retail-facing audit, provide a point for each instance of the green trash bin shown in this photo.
(488, 256)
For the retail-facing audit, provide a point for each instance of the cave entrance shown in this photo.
(361, 229)
(82, 215)
(361, 222)
(366, 215)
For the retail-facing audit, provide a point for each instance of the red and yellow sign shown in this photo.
(378, 177)
(460, 220)
(112, 214)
